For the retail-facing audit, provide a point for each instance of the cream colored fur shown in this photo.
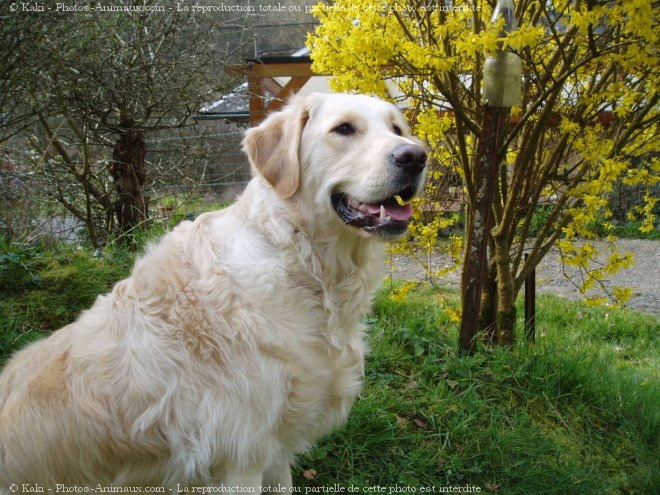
(236, 342)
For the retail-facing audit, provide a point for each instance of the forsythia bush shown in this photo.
(587, 123)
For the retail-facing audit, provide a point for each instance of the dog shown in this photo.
(237, 341)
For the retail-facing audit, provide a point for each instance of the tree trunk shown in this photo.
(127, 170)
(478, 228)
(488, 310)
(506, 294)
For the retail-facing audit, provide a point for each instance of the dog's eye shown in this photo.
(397, 130)
(345, 129)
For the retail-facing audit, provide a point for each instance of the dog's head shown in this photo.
(348, 158)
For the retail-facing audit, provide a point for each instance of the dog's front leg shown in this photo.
(237, 483)
(278, 477)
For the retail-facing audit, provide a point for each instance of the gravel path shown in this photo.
(643, 277)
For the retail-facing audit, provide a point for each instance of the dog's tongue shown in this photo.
(395, 211)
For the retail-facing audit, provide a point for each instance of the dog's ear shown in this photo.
(273, 147)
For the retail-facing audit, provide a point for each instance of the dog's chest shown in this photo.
(321, 391)
(310, 322)
(319, 335)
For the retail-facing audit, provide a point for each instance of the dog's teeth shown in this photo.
(388, 218)
(382, 213)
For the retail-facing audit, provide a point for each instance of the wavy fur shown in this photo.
(235, 343)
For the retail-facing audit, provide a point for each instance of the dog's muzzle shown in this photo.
(390, 216)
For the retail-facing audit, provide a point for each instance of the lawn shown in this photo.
(576, 413)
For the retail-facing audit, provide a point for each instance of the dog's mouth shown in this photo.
(386, 218)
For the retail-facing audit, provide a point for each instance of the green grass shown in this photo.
(630, 230)
(576, 413)
(42, 290)
(624, 230)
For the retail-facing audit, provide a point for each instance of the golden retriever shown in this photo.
(237, 341)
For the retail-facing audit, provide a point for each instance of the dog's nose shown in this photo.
(410, 157)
